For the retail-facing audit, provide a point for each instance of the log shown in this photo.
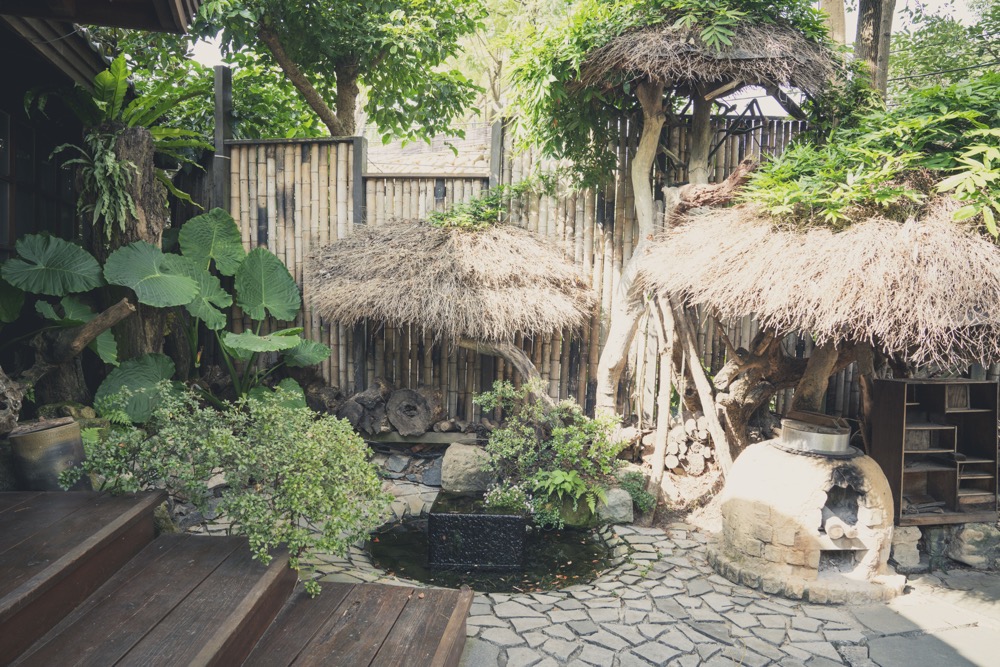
(672, 461)
(352, 411)
(374, 395)
(695, 464)
(409, 412)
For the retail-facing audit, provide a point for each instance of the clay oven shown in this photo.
(809, 525)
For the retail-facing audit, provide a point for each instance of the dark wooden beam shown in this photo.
(223, 131)
(153, 15)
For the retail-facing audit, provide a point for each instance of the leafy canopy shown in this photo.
(396, 49)
(569, 120)
(890, 162)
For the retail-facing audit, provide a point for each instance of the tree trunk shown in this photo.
(339, 126)
(811, 390)
(347, 97)
(871, 42)
(700, 139)
(666, 338)
(626, 311)
(143, 333)
(409, 412)
(515, 356)
(836, 20)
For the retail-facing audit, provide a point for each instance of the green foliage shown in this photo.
(265, 288)
(396, 49)
(559, 452)
(291, 479)
(488, 210)
(510, 497)
(888, 162)
(52, 266)
(213, 238)
(158, 279)
(635, 483)
(11, 302)
(936, 47)
(566, 119)
(132, 392)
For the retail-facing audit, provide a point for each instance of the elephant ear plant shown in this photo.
(291, 478)
(211, 251)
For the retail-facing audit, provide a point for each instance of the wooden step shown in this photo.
(354, 625)
(58, 548)
(183, 600)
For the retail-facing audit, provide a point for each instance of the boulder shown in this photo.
(904, 548)
(463, 469)
(976, 545)
(617, 508)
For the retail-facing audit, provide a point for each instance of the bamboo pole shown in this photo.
(344, 223)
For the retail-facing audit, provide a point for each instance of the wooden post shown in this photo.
(496, 153)
(359, 169)
(223, 132)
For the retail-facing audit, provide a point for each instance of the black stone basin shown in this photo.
(464, 534)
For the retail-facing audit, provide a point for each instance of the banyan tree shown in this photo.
(477, 288)
(675, 62)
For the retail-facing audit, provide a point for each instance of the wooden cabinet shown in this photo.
(936, 441)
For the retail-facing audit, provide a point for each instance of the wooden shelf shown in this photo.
(928, 426)
(975, 475)
(947, 451)
(927, 467)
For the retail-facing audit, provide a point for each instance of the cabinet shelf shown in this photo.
(937, 439)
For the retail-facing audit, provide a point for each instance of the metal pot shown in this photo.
(805, 437)
(43, 450)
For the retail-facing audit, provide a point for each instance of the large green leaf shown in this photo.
(11, 301)
(244, 345)
(213, 236)
(306, 353)
(110, 87)
(158, 279)
(290, 395)
(48, 265)
(265, 287)
(140, 377)
(210, 297)
(76, 313)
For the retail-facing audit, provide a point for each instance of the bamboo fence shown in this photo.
(294, 196)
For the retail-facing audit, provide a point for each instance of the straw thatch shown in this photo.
(928, 291)
(484, 285)
(762, 54)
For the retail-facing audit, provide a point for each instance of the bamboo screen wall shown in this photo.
(293, 196)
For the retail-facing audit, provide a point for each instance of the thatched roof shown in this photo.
(484, 285)
(928, 291)
(762, 54)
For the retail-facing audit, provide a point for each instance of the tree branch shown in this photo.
(300, 81)
(515, 356)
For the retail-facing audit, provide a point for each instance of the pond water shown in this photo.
(553, 559)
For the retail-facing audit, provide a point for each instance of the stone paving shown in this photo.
(663, 605)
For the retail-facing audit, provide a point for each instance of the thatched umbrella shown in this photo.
(925, 291)
(478, 287)
(765, 54)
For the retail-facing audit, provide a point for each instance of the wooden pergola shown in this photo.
(152, 15)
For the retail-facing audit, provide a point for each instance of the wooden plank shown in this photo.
(13, 500)
(355, 634)
(132, 602)
(56, 570)
(230, 591)
(296, 625)
(452, 640)
(421, 632)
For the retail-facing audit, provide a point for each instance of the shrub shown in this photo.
(292, 479)
(635, 483)
(559, 452)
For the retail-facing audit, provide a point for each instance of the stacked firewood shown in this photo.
(689, 446)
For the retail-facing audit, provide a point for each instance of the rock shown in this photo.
(904, 547)
(66, 409)
(432, 474)
(617, 508)
(576, 517)
(397, 463)
(462, 469)
(976, 545)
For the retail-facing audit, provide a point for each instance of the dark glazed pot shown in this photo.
(45, 449)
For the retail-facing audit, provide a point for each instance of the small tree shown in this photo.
(653, 58)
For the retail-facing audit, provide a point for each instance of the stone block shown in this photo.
(976, 545)
(904, 547)
(463, 469)
(774, 554)
(795, 557)
(812, 559)
(617, 508)
(763, 532)
(785, 535)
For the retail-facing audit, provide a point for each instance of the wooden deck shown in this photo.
(83, 581)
